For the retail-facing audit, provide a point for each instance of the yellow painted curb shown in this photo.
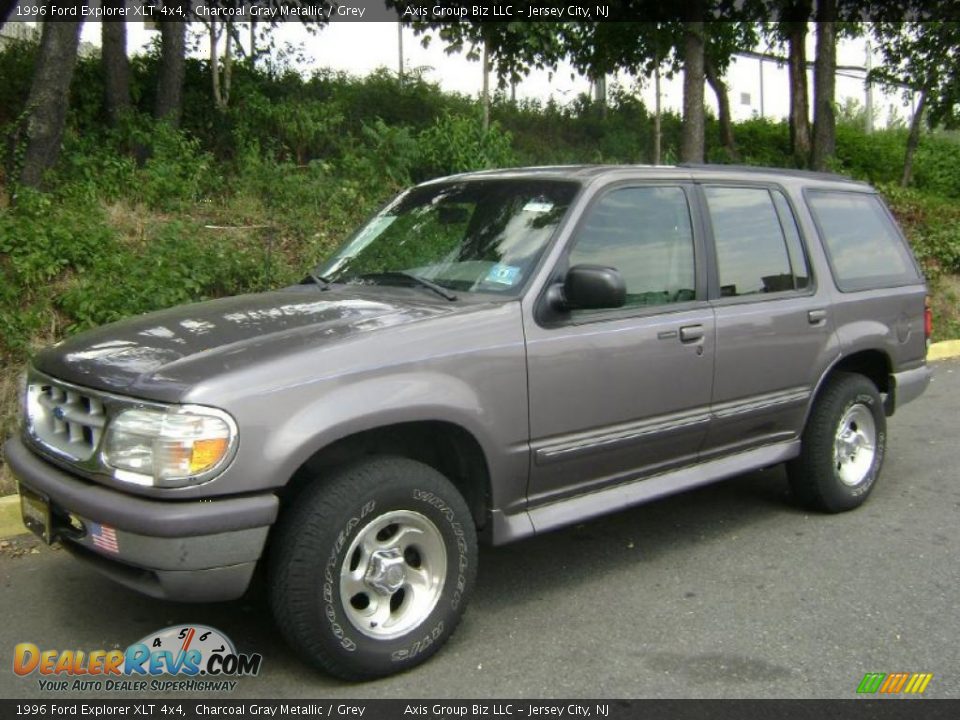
(944, 350)
(10, 522)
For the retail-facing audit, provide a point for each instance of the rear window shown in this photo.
(863, 245)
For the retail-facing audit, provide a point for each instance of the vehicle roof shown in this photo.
(690, 171)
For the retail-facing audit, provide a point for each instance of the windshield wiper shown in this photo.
(422, 282)
(320, 280)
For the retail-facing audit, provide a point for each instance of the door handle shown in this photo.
(691, 333)
(817, 317)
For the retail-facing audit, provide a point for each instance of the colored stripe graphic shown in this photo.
(871, 682)
(894, 683)
(918, 683)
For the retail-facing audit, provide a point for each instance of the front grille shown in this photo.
(66, 419)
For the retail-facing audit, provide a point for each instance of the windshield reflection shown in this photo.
(471, 236)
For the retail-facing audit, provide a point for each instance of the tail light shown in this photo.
(927, 319)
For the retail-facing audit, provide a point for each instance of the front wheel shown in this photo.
(842, 447)
(371, 569)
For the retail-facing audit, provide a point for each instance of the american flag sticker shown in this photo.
(104, 537)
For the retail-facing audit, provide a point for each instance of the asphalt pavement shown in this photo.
(728, 591)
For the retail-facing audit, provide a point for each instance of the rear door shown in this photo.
(615, 394)
(774, 324)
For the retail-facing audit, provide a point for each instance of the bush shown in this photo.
(876, 158)
(762, 141)
(41, 238)
(175, 170)
(935, 167)
(177, 263)
(298, 129)
(459, 143)
(931, 224)
(42, 243)
(17, 60)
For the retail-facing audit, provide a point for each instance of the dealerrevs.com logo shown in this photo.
(201, 657)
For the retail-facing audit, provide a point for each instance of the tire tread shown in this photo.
(809, 480)
(318, 507)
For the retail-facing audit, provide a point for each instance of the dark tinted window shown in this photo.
(752, 254)
(645, 233)
(864, 247)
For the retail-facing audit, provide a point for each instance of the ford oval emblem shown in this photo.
(59, 413)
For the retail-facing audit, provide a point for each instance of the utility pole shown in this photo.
(656, 113)
(486, 85)
(760, 61)
(868, 101)
(400, 52)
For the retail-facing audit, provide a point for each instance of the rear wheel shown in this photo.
(371, 569)
(843, 446)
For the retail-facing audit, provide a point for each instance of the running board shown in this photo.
(507, 528)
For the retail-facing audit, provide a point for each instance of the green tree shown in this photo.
(921, 57)
(509, 49)
(723, 41)
(116, 69)
(49, 95)
(824, 86)
(692, 140)
(312, 14)
(791, 30)
(168, 104)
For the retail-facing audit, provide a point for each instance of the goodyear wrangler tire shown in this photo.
(371, 569)
(843, 446)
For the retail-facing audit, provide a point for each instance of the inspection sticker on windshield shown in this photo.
(503, 274)
(538, 206)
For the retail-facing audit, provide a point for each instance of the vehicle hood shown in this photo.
(144, 352)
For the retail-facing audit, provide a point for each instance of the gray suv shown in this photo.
(492, 355)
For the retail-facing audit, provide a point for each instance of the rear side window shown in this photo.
(753, 253)
(863, 245)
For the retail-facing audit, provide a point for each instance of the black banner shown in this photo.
(324, 11)
(892, 709)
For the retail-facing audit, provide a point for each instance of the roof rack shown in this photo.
(814, 174)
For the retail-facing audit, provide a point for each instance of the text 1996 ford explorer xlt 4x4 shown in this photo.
(494, 354)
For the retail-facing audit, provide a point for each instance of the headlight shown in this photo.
(168, 448)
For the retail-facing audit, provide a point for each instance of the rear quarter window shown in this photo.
(864, 247)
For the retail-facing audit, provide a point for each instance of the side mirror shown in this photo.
(593, 287)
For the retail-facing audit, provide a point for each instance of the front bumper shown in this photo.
(191, 551)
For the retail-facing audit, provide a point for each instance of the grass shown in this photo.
(945, 299)
(9, 409)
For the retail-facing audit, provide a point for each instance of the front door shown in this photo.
(616, 394)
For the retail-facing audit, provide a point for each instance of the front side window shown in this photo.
(645, 233)
(468, 236)
(752, 253)
(864, 247)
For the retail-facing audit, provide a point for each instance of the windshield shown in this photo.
(470, 236)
